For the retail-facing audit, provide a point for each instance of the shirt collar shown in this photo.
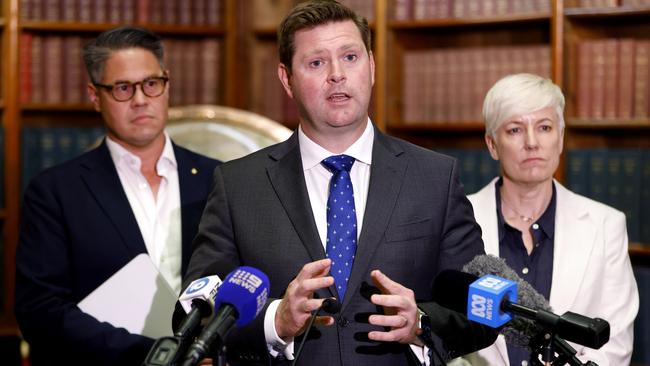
(313, 154)
(121, 156)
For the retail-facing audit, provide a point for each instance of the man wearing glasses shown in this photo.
(85, 219)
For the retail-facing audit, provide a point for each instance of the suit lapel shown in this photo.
(486, 216)
(574, 234)
(190, 179)
(387, 173)
(288, 181)
(100, 176)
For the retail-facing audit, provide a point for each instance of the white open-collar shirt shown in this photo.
(159, 218)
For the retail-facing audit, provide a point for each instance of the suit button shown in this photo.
(343, 322)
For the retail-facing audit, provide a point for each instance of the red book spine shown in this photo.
(209, 84)
(99, 11)
(53, 69)
(25, 67)
(73, 69)
(584, 69)
(69, 9)
(37, 70)
(597, 91)
(611, 78)
(642, 80)
(626, 78)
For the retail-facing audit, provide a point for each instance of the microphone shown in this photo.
(331, 306)
(519, 330)
(197, 300)
(241, 297)
(491, 300)
(572, 327)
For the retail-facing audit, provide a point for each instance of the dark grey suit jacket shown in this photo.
(417, 222)
(77, 230)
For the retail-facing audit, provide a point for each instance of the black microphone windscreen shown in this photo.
(331, 305)
(450, 289)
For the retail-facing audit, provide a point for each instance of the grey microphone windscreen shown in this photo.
(519, 330)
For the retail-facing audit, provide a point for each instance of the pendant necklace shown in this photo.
(523, 218)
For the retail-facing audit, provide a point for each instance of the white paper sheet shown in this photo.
(136, 297)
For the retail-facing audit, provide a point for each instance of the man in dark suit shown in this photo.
(85, 219)
(406, 218)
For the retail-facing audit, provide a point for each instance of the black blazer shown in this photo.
(417, 222)
(77, 230)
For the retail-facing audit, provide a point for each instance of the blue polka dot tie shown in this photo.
(341, 220)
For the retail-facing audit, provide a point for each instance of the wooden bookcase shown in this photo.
(556, 26)
(18, 114)
(616, 131)
(247, 69)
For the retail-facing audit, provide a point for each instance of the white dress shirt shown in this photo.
(317, 178)
(159, 218)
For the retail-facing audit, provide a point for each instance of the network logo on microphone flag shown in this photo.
(197, 285)
(204, 288)
(247, 289)
(485, 297)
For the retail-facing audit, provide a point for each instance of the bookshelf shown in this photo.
(59, 108)
(265, 93)
(531, 35)
(607, 87)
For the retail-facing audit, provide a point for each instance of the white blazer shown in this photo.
(592, 273)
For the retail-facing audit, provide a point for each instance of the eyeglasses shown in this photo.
(123, 91)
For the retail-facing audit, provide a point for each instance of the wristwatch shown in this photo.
(425, 326)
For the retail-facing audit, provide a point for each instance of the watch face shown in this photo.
(425, 325)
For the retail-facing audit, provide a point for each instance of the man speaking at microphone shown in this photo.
(340, 210)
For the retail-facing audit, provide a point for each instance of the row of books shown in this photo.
(611, 3)
(617, 177)
(43, 147)
(365, 8)
(461, 9)
(195, 70)
(613, 79)
(194, 12)
(52, 70)
(269, 13)
(477, 168)
(448, 85)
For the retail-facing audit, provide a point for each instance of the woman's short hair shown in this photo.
(519, 94)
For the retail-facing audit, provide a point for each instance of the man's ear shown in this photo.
(372, 66)
(285, 78)
(92, 95)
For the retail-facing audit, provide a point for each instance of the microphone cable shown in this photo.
(330, 306)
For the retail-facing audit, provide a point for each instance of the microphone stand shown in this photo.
(547, 344)
(219, 356)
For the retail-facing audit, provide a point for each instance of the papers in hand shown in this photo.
(136, 298)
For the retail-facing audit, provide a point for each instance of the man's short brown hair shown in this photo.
(313, 13)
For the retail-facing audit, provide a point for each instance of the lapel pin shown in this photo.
(194, 171)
